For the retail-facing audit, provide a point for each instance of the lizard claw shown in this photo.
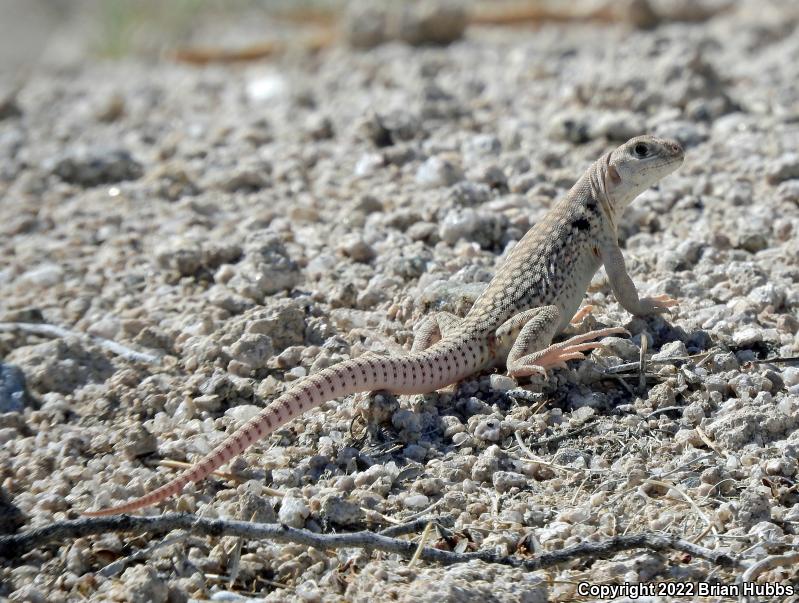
(658, 304)
(581, 314)
(556, 355)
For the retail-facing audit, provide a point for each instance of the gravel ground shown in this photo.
(250, 225)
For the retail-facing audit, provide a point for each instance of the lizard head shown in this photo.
(638, 164)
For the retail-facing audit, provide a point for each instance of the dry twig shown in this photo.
(769, 563)
(18, 544)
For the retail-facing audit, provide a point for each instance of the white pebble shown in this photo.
(416, 501)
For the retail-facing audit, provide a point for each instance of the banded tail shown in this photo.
(419, 372)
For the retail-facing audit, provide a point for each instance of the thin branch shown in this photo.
(239, 479)
(681, 492)
(675, 360)
(420, 547)
(642, 364)
(774, 360)
(767, 564)
(417, 524)
(663, 410)
(709, 443)
(537, 459)
(54, 331)
(18, 544)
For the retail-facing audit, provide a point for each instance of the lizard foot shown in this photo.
(581, 314)
(556, 355)
(658, 303)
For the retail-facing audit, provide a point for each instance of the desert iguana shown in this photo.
(529, 301)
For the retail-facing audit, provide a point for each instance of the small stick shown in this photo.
(265, 490)
(414, 526)
(678, 490)
(769, 563)
(15, 545)
(709, 443)
(775, 360)
(420, 548)
(642, 364)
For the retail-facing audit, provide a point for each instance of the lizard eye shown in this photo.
(641, 150)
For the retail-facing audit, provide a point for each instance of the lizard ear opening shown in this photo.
(612, 177)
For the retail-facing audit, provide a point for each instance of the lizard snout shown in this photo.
(675, 148)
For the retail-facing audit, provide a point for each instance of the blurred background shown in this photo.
(60, 32)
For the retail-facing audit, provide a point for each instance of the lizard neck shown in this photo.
(598, 175)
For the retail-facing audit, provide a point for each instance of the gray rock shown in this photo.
(501, 383)
(354, 246)
(768, 295)
(750, 425)
(505, 480)
(571, 127)
(61, 365)
(11, 517)
(619, 126)
(94, 166)
(755, 505)
(43, 275)
(482, 146)
(473, 581)
(789, 191)
(469, 194)
(341, 512)
(492, 175)
(687, 133)
(484, 468)
(436, 172)
(141, 584)
(662, 395)
(266, 268)
(790, 375)
(367, 24)
(747, 337)
(253, 350)
(293, 512)
(786, 167)
(488, 429)
(13, 393)
(248, 178)
(672, 349)
(283, 323)
(482, 227)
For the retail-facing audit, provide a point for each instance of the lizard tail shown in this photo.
(416, 373)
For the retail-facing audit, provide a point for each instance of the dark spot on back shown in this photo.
(581, 224)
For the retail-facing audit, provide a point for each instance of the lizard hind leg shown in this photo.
(556, 354)
(432, 328)
(533, 352)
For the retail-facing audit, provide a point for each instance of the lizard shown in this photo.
(529, 301)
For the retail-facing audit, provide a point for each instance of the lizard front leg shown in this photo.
(624, 288)
(432, 328)
(533, 351)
